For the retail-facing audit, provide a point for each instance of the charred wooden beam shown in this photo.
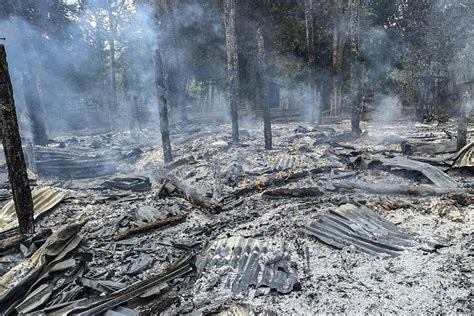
(170, 221)
(13, 150)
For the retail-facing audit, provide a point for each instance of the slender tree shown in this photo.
(232, 66)
(354, 70)
(263, 87)
(312, 82)
(13, 150)
(162, 89)
(339, 41)
(30, 78)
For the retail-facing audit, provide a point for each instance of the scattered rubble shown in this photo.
(230, 229)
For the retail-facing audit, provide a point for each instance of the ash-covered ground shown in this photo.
(330, 279)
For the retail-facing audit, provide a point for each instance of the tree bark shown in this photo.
(161, 88)
(355, 93)
(13, 151)
(312, 82)
(263, 87)
(232, 66)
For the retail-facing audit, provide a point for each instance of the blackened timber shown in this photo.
(161, 87)
(263, 84)
(13, 151)
(232, 66)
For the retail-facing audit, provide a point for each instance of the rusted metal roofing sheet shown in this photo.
(246, 258)
(44, 199)
(358, 227)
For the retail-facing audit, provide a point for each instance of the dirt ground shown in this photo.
(332, 280)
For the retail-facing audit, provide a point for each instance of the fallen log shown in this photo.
(12, 242)
(275, 179)
(418, 190)
(292, 193)
(15, 240)
(170, 221)
(172, 187)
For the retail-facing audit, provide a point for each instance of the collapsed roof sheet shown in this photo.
(44, 199)
(435, 175)
(73, 163)
(465, 157)
(358, 227)
(254, 262)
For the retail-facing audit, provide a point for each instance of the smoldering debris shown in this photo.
(165, 241)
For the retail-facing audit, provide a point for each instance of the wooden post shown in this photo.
(263, 84)
(160, 79)
(13, 151)
(232, 66)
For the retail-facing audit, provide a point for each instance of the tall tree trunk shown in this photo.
(263, 87)
(112, 66)
(232, 66)
(161, 89)
(32, 95)
(312, 83)
(354, 33)
(339, 40)
(13, 150)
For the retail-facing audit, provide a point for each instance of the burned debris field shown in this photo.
(236, 157)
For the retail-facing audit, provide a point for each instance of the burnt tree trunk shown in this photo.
(178, 62)
(263, 87)
(30, 84)
(13, 151)
(354, 70)
(161, 88)
(112, 66)
(462, 127)
(232, 66)
(339, 41)
(309, 18)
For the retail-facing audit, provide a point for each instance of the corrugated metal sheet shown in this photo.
(359, 227)
(246, 257)
(44, 199)
(435, 175)
(73, 163)
(465, 157)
